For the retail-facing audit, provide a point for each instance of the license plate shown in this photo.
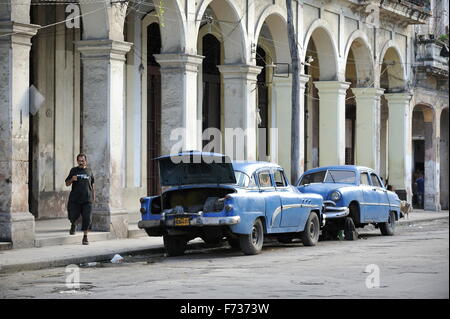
(181, 221)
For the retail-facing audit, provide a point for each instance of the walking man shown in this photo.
(81, 196)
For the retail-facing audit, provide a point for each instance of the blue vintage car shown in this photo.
(210, 197)
(358, 188)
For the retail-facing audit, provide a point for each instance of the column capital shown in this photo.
(287, 80)
(18, 33)
(367, 92)
(404, 97)
(332, 86)
(169, 61)
(239, 71)
(104, 49)
(304, 78)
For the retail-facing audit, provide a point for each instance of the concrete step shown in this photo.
(136, 233)
(5, 245)
(65, 239)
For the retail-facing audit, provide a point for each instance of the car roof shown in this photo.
(340, 167)
(250, 167)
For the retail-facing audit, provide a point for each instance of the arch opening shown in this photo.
(423, 156)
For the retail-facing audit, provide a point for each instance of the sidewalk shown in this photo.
(103, 250)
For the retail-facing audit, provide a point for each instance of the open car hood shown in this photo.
(195, 168)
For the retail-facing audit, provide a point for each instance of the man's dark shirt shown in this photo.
(82, 188)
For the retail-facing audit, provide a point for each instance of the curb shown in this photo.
(407, 222)
(74, 260)
(63, 262)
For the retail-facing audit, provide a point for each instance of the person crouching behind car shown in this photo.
(81, 196)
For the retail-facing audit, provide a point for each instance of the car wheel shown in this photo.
(388, 228)
(350, 229)
(251, 244)
(310, 235)
(175, 245)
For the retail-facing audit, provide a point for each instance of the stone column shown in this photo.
(399, 143)
(179, 102)
(432, 158)
(103, 129)
(368, 127)
(16, 223)
(239, 82)
(281, 94)
(332, 122)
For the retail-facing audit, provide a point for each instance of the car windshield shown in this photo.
(243, 180)
(329, 176)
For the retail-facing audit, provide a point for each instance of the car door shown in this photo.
(292, 212)
(272, 199)
(381, 213)
(369, 206)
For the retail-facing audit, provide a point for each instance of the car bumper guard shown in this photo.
(194, 221)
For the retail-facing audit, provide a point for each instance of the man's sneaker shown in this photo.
(85, 240)
(72, 229)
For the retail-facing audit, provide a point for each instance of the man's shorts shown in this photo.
(76, 209)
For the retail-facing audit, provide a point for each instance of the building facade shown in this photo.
(126, 81)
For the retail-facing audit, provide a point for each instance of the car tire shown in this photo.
(251, 244)
(175, 245)
(310, 235)
(388, 228)
(350, 229)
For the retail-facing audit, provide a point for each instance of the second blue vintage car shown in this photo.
(210, 197)
(358, 188)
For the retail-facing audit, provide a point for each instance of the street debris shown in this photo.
(117, 259)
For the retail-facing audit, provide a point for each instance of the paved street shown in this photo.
(412, 264)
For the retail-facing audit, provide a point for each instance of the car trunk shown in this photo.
(193, 200)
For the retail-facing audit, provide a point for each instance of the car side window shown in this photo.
(375, 180)
(364, 179)
(279, 179)
(264, 179)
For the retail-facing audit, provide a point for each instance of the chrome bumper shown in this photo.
(331, 212)
(195, 221)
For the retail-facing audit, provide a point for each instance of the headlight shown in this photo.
(335, 196)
